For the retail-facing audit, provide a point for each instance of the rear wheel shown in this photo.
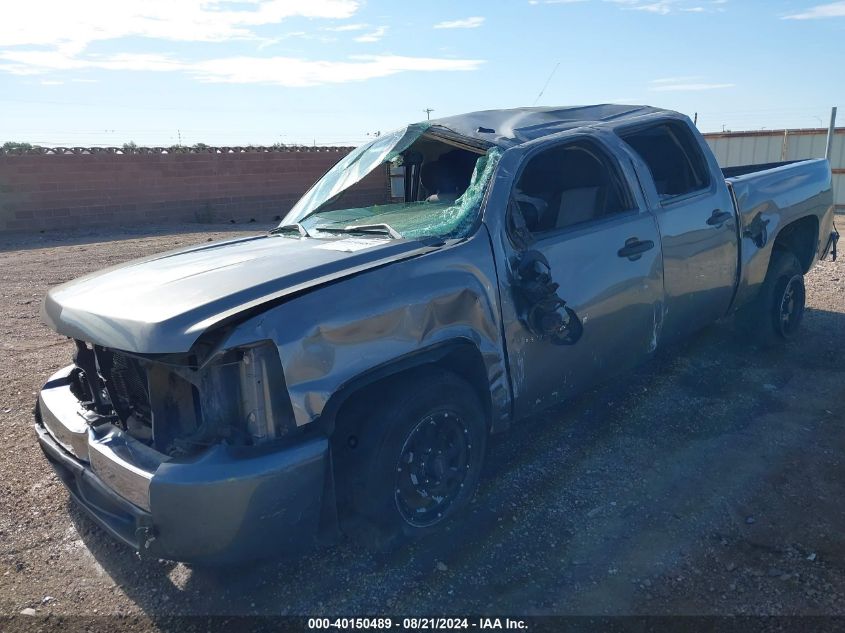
(416, 461)
(778, 310)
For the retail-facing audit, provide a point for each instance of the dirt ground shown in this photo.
(710, 481)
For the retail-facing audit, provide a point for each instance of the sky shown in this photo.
(336, 72)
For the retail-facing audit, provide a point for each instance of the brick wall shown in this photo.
(66, 190)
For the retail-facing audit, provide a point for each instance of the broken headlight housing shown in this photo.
(245, 393)
(265, 406)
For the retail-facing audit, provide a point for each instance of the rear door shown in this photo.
(698, 225)
(573, 207)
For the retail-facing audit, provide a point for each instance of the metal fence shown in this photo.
(772, 146)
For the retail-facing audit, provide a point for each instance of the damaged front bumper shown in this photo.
(221, 506)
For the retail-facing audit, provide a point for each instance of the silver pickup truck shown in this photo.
(231, 400)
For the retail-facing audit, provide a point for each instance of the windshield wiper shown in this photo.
(295, 226)
(384, 229)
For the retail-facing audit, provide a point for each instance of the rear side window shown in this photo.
(673, 156)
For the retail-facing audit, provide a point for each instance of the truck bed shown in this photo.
(742, 170)
(767, 198)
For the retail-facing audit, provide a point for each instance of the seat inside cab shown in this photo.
(568, 185)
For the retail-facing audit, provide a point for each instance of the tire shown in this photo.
(776, 313)
(417, 458)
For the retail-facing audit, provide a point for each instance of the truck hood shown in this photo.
(163, 303)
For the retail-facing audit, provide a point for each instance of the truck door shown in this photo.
(697, 222)
(584, 283)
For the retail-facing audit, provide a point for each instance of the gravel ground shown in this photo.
(709, 481)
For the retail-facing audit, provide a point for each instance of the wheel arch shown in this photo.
(461, 356)
(800, 237)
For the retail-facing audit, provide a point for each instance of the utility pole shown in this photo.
(428, 112)
(695, 120)
(831, 131)
(179, 137)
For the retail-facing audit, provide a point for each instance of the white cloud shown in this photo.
(821, 11)
(73, 25)
(467, 23)
(665, 7)
(373, 36)
(662, 8)
(51, 36)
(294, 72)
(347, 27)
(39, 62)
(283, 71)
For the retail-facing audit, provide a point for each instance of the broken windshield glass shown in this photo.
(415, 219)
(353, 167)
(445, 188)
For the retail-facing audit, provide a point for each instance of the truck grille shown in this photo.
(127, 386)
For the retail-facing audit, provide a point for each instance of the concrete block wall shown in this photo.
(61, 190)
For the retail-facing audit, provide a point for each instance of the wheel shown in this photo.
(418, 456)
(776, 314)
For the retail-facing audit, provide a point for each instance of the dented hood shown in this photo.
(161, 304)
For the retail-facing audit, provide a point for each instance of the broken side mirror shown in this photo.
(541, 309)
(520, 234)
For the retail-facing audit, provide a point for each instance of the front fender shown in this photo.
(330, 337)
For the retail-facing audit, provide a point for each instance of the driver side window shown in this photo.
(568, 185)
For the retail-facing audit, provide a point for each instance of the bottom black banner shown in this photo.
(576, 624)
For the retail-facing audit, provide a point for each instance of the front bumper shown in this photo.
(218, 507)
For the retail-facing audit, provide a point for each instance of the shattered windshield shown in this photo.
(353, 167)
(445, 187)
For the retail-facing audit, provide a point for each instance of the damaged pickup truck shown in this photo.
(231, 400)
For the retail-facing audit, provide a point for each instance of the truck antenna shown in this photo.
(546, 85)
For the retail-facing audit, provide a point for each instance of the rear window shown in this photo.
(673, 156)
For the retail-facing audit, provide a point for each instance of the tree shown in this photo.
(13, 146)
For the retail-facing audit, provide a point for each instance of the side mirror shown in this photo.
(541, 309)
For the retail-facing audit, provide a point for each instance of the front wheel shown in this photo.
(778, 310)
(418, 458)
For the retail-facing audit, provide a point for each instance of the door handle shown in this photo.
(634, 248)
(719, 217)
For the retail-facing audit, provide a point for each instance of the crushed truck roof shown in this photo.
(507, 128)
